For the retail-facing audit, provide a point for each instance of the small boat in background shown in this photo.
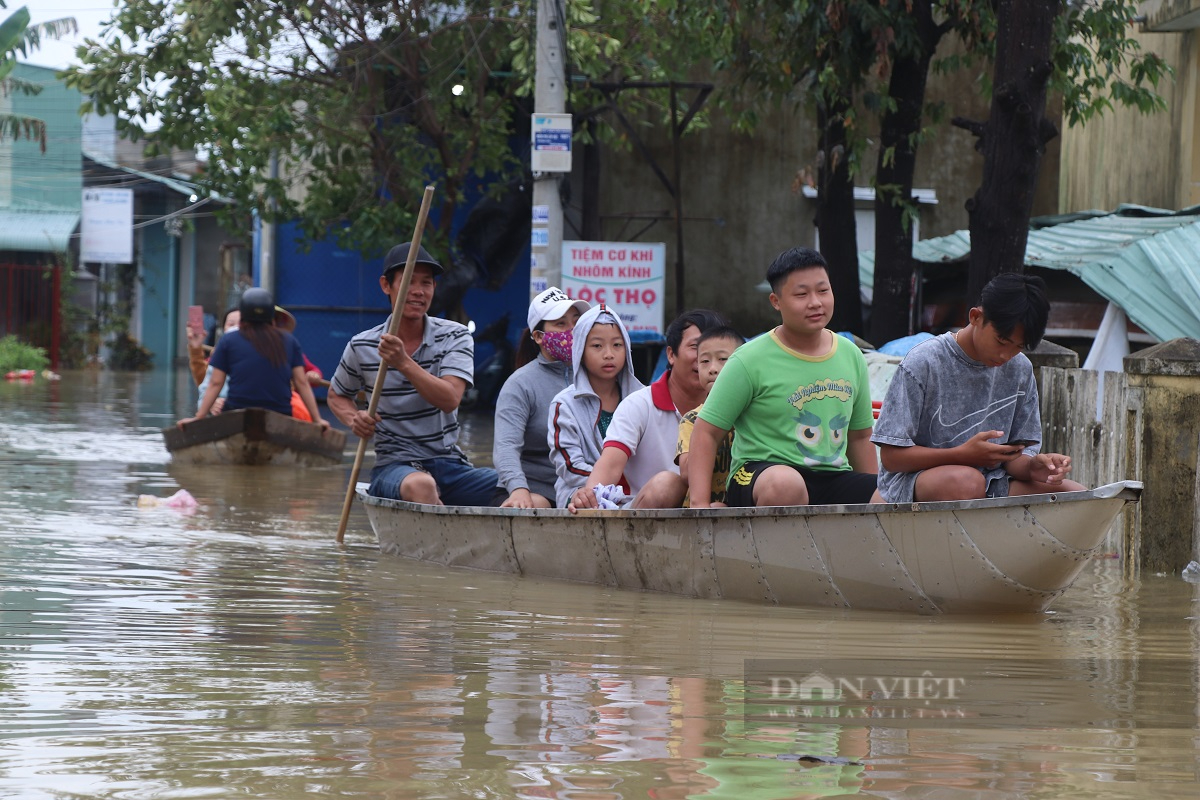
(1009, 554)
(254, 436)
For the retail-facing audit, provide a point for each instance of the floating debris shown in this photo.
(807, 759)
(181, 500)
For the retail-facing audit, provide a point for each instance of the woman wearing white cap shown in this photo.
(519, 450)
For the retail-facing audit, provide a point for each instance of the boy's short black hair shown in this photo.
(702, 318)
(789, 261)
(721, 332)
(1011, 299)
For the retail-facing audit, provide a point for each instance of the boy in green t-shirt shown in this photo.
(799, 398)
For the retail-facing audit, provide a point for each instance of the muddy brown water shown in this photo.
(237, 651)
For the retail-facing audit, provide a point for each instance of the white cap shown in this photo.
(552, 304)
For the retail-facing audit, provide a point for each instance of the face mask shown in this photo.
(557, 344)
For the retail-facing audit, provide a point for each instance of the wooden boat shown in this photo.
(254, 436)
(982, 556)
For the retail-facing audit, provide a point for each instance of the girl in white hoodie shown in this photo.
(579, 415)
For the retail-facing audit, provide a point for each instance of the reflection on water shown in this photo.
(237, 651)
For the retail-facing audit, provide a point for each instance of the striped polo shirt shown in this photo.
(410, 427)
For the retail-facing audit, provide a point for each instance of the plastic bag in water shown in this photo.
(1192, 572)
(181, 500)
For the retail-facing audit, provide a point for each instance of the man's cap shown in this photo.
(397, 257)
(552, 304)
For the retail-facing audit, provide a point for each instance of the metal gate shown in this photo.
(30, 306)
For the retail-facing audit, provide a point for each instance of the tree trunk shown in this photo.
(1012, 141)
(835, 216)
(891, 306)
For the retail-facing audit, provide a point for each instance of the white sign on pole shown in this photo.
(626, 276)
(537, 276)
(551, 143)
(106, 231)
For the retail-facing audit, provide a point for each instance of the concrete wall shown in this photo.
(1127, 157)
(1140, 425)
(1171, 15)
(739, 206)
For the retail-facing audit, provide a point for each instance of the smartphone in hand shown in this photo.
(195, 321)
(1020, 442)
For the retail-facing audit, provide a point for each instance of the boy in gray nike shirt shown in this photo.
(960, 420)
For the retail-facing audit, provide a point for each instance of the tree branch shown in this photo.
(977, 129)
(1047, 130)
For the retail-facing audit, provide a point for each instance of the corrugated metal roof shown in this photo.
(37, 231)
(178, 185)
(1147, 261)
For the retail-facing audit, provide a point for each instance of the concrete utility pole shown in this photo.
(267, 249)
(549, 97)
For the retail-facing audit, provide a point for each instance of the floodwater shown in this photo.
(236, 651)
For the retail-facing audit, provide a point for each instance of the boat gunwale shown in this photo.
(1128, 491)
(244, 428)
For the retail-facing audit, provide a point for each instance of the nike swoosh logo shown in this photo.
(972, 420)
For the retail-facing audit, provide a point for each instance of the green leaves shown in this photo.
(16, 354)
(354, 98)
(12, 33)
(1098, 62)
(16, 126)
(16, 36)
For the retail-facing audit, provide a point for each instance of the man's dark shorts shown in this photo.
(458, 483)
(825, 487)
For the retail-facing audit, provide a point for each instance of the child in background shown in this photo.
(712, 351)
(519, 451)
(579, 415)
(232, 321)
(952, 395)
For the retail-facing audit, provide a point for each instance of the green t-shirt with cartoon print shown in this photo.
(789, 408)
